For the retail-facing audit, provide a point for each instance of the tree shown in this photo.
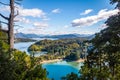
(19, 66)
(71, 76)
(10, 20)
(106, 50)
(103, 61)
(116, 1)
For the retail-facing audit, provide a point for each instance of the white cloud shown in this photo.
(35, 12)
(40, 24)
(22, 19)
(90, 20)
(4, 8)
(56, 11)
(86, 12)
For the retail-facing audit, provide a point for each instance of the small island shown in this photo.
(62, 49)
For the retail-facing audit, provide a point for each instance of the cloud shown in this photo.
(56, 11)
(40, 24)
(90, 20)
(4, 8)
(34, 12)
(22, 19)
(86, 12)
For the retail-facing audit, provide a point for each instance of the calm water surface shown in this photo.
(59, 69)
(56, 70)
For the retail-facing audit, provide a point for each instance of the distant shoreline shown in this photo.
(56, 60)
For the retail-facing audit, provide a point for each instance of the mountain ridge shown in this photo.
(61, 36)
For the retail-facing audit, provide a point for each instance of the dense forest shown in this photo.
(103, 61)
(70, 49)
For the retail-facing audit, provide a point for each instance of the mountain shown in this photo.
(66, 36)
(22, 35)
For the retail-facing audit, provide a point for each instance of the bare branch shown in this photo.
(4, 4)
(17, 3)
(16, 14)
(4, 22)
(18, 26)
(14, 25)
(4, 16)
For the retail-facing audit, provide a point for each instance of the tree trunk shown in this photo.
(11, 25)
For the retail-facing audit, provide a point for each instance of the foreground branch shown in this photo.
(14, 25)
(4, 4)
(4, 16)
(3, 22)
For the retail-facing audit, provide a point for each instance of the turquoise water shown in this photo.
(57, 69)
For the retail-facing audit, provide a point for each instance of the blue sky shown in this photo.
(62, 16)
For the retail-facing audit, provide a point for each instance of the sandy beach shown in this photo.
(80, 60)
(49, 61)
(56, 60)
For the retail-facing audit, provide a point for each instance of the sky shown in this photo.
(55, 17)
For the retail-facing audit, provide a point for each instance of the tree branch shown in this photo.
(16, 14)
(17, 3)
(4, 22)
(14, 25)
(4, 16)
(4, 3)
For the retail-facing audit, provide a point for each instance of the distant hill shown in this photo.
(22, 35)
(63, 36)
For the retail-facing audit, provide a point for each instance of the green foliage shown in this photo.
(37, 73)
(73, 56)
(71, 49)
(35, 48)
(114, 1)
(71, 76)
(3, 36)
(17, 65)
(103, 61)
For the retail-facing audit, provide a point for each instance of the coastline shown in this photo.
(56, 60)
(50, 61)
(80, 60)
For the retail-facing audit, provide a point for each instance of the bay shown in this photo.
(56, 70)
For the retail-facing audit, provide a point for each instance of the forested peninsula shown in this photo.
(67, 49)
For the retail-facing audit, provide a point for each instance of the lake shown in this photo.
(56, 69)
